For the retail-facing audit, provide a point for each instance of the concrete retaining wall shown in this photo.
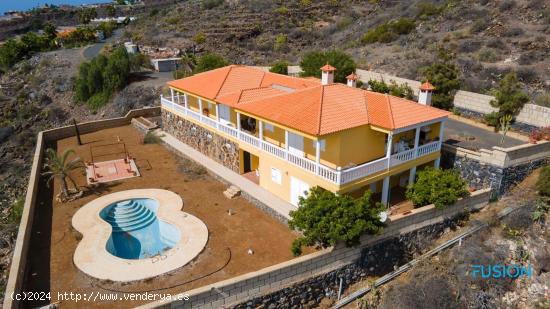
(498, 168)
(17, 273)
(297, 272)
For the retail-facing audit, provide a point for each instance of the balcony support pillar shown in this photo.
(217, 113)
(416, 141)
(260, 130)
(200, 106)
(386, 190)
(317, 155)
(286, 144)
(185, 101)
(388, 148)
(172, 94)
(412, 175)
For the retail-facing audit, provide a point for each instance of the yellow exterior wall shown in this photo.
(277, 137)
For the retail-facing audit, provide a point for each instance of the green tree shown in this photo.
(117, 70)
(209, 62)
(82, 91)
(59, 167)
(443, 74)
(543, 182)
(280, 67)
(11, 52)
(312, 62)
(199, 38)
(94, 77)
(50, 31)
(111, 11)
(325, 218)
(85, 15)
(509, 97)
(438, 187)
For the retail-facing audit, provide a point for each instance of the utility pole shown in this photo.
(77, 132)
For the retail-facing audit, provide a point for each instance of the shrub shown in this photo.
(487, 55)
(280, 41)
(16, 211)
(479, 25)
(426, 9)
(210, 4)
(438, 187)
(402, 91)
(543, 99)
(283, 10)
(312, 62)
(151, 138)
(492, 119)
(280, 67)
(506, 5)
(543, 182)
(389, 31)
(513, 32)
(325, 218)
(209, 62)
(199, 38)
(98, 100)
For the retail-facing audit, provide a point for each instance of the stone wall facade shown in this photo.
(376, 260)
(217, 147)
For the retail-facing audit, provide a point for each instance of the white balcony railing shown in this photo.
(337, 176)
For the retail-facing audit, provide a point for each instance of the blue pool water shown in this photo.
(137, 232)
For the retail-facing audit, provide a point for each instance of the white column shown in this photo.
(286, 144)
(217, 113)
(436, 163)
(238, 121)
(412, 175)
(388, 148)
(441, 128)
(317, 155)
(172, 94)
(200, 106)
(261, 130)
(185, 100)
(386, 190)
(416, 141)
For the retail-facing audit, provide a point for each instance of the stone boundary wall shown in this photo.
(499, 168)
(17, 273)
(531, 114)
(240, 289)
(214, 146)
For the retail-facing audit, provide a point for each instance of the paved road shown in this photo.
(482, 138)
(94, 49)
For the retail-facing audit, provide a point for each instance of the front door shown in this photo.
(247, 162)
(297, 188)
(296, 144)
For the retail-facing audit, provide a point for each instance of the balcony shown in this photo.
(336, 176)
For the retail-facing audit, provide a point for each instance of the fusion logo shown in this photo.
(500, 271)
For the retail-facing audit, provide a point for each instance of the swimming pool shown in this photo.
(137, 233)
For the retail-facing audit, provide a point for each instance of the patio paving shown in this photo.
(456, 133)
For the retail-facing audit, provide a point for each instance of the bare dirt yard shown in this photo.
(225, 255)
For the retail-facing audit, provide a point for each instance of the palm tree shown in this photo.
(59, 167)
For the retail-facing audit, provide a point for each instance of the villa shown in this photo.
(288, 134)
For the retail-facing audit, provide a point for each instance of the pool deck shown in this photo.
(255, 191)
(92, 258)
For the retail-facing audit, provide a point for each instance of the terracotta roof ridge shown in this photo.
(321, 110)
(390, 111)
(224, 79)
(263, 76)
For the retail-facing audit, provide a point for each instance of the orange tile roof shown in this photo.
(328, 68)
(427, 86)
(304, 104)
(352, 76)
(233, 79)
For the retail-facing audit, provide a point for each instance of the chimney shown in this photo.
(327, 75)
(425, 95)
(352, 80)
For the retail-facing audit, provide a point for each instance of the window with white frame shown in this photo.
(323, 144)
(276, 175)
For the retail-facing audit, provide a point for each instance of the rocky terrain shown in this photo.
(487, 38)
(445, 281)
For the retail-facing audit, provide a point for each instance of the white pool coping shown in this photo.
(92, 258)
